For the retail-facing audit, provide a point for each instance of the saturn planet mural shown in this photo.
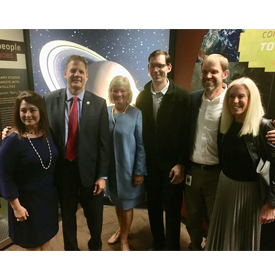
(100, 71)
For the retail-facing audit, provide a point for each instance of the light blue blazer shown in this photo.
(129, 152)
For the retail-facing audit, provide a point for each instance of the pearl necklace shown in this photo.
(38, 153)
(114, 121)
(34, 133)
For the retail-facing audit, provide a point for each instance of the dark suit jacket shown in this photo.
(167, 137)
(196, 100)
(93, 139)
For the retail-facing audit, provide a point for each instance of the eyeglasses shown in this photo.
(158, 66)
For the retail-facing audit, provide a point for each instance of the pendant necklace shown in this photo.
(38, 153)
(114, 121)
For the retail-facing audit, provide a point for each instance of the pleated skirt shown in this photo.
(234, 223)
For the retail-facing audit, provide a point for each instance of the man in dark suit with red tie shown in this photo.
(79, 126)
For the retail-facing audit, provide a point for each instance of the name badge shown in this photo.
(188, 180)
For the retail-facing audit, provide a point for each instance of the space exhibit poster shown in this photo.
(257, 47)
(13, 72)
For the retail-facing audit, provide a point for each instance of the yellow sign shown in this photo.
(257, 47)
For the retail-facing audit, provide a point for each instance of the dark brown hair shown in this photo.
(36, 100)
(159, 52)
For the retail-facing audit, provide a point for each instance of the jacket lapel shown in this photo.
(86, 107)
(61, 101)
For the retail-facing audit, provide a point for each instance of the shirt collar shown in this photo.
(70, 95)
(163, 91)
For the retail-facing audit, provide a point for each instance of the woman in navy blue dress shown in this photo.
(27, 162)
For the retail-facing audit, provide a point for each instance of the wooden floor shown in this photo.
(140, 238)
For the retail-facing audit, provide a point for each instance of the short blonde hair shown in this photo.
(117, 81)
(254, 112)
(76, 58)
(216, 58)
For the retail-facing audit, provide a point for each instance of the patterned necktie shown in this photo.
(71, 151)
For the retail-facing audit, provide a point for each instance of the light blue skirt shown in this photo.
(125, 204)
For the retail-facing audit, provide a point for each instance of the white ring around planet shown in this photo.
(100, 71)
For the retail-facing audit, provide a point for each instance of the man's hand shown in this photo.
(271, 135)
(99, 186)
(5, 132)
(267, 214)
(177, 174)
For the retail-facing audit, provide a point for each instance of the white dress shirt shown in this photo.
(206, 147)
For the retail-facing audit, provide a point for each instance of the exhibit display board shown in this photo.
(13, 79)
(250, 53)
(13, 72)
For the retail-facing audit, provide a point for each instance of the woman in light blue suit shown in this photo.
(127, 166)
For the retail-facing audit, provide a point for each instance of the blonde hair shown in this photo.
(254, 109)
(77, 58)
(117, 81)
(216, 58)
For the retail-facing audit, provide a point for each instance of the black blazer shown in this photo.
(259, 147)
(167, 137)
(93, 141)
(196, 100)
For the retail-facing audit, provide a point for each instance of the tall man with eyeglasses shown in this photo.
(165, 110)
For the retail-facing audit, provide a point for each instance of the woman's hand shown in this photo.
(138, 179)
(267, 214)
(20, 212)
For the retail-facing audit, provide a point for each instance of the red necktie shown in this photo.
(71, 151)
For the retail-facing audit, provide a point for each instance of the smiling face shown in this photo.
(158, 69)
(212, 76)
(76, 76)
(238, 100)
(120, 97)
(29, 115)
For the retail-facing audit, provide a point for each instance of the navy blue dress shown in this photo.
(22, 176)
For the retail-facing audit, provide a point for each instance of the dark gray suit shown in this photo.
(196, 99)
(76, 179)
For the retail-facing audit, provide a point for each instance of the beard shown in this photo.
(210, 85)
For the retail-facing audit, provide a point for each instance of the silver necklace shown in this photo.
(38, 153)
(114, 121)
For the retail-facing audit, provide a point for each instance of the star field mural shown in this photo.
(127, 49)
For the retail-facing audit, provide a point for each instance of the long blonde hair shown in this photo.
(254, 112)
